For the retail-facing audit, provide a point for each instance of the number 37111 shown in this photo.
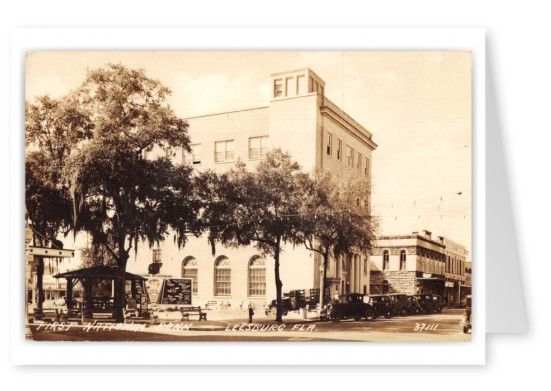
(425, 326)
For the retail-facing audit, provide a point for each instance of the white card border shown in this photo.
(244, 353)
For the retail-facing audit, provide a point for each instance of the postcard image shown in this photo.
(248, 196)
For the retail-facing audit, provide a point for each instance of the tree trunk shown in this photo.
(120, 287)
(324, 280)
(279, 285)
(39, 281)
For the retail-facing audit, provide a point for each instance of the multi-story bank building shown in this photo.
(319, 135)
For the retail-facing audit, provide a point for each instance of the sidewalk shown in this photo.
(219, 320)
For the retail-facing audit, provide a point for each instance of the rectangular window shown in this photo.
(193, 157)
(366, 167)
(222, 281)
(288, 84)
(359, 162)
(349, 156)
(329, 144)
(157, 255)
(311, 85)
(258, 147)
(223, 151)
(339, 149)
(300, 84)
(257, 282)
(278, 87)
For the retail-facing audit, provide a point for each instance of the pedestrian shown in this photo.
(337, 296)
(251, 312)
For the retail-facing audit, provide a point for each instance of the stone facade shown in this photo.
(396, 282)
(408, 264)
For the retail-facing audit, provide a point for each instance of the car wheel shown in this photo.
(335, 317)
(369, 314)
(404, 312)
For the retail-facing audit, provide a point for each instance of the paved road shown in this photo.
(426, 328)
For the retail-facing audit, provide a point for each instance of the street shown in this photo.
(443, 327)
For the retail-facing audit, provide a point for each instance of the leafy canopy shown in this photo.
(120, 195)
(337, 215)
(261, 206)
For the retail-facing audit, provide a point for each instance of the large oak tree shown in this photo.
(120, 196)
(260, 207)
(52, 128)
(337, 218)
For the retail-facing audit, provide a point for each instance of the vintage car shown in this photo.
(349, 306)
(285, 304)
(438, 303)
(413, 305)
(426, 302)
(400, 304)
(382, 305)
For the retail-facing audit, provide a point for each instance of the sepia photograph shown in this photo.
(300, 196)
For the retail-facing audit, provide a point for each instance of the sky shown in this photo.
(417, 105)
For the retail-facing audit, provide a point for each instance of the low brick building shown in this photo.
(408, 264)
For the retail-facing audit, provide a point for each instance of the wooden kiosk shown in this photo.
(103, 308)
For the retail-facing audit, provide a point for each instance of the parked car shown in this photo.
(382, 305)
(413, 305)
(285, 304)
(400, 304)
(438, 303)
(353, 305)
(426, 302)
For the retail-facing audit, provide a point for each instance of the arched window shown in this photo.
(222, 276)
(190, 270)
(386, 260)
(257, 276)
(402, 259)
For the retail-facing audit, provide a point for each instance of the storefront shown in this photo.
(451, 293)
(430, 283)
